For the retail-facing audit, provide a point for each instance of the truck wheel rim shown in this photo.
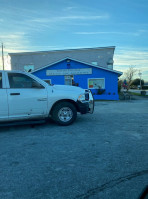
(65, 114)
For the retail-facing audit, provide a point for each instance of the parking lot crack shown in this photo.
(110, 184)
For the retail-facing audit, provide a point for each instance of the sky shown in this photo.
(42, 25)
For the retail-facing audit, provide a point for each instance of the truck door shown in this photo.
(3, 99)
(26, 97)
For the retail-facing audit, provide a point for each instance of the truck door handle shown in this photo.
(42, 99)
(14, 93)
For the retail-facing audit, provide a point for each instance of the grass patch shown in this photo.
(137, 94)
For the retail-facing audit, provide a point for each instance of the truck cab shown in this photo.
(23, 96)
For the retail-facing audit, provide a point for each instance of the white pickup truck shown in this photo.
(24, 97)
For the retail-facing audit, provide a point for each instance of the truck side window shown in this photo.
(0, 80)
(17, 80)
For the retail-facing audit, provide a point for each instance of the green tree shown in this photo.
(136, 82)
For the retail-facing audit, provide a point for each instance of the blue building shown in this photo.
(103, 82)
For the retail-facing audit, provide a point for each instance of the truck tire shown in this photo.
(64, 113)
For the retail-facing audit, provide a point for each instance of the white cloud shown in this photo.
(126, 57)
(99, 32)
(84, 17)
(10, 36)
(69, 18)
(13, 42)
(7, 64)
(70, 8)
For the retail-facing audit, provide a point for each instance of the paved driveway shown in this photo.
(103, 155)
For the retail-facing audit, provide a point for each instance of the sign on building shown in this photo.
(81, 71)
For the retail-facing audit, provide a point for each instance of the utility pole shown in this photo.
(140, 74)
(3, 56)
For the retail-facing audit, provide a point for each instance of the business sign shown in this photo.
(81, 71)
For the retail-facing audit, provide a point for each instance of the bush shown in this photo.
(136, 82)
(144, 87)
(101, 91)
(143, 93)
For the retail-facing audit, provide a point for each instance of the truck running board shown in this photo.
(32, 122)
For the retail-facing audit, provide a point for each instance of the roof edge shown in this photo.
(114, 71)
(40, 52)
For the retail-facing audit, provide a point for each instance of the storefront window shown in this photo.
(97, 83)
(68, 79)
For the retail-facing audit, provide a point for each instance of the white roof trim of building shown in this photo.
(76, 49)
(100, 67)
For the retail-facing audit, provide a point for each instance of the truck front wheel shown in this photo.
(64, 113)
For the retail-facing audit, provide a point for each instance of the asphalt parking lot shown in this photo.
(100, 156)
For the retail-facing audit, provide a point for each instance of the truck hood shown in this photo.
(68, 88)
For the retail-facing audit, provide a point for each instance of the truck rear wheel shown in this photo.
(64, 113)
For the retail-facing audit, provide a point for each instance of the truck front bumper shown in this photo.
(86, 106)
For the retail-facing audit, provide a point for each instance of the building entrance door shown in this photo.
(68, 80)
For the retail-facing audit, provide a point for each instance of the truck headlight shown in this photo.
(81, 97)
